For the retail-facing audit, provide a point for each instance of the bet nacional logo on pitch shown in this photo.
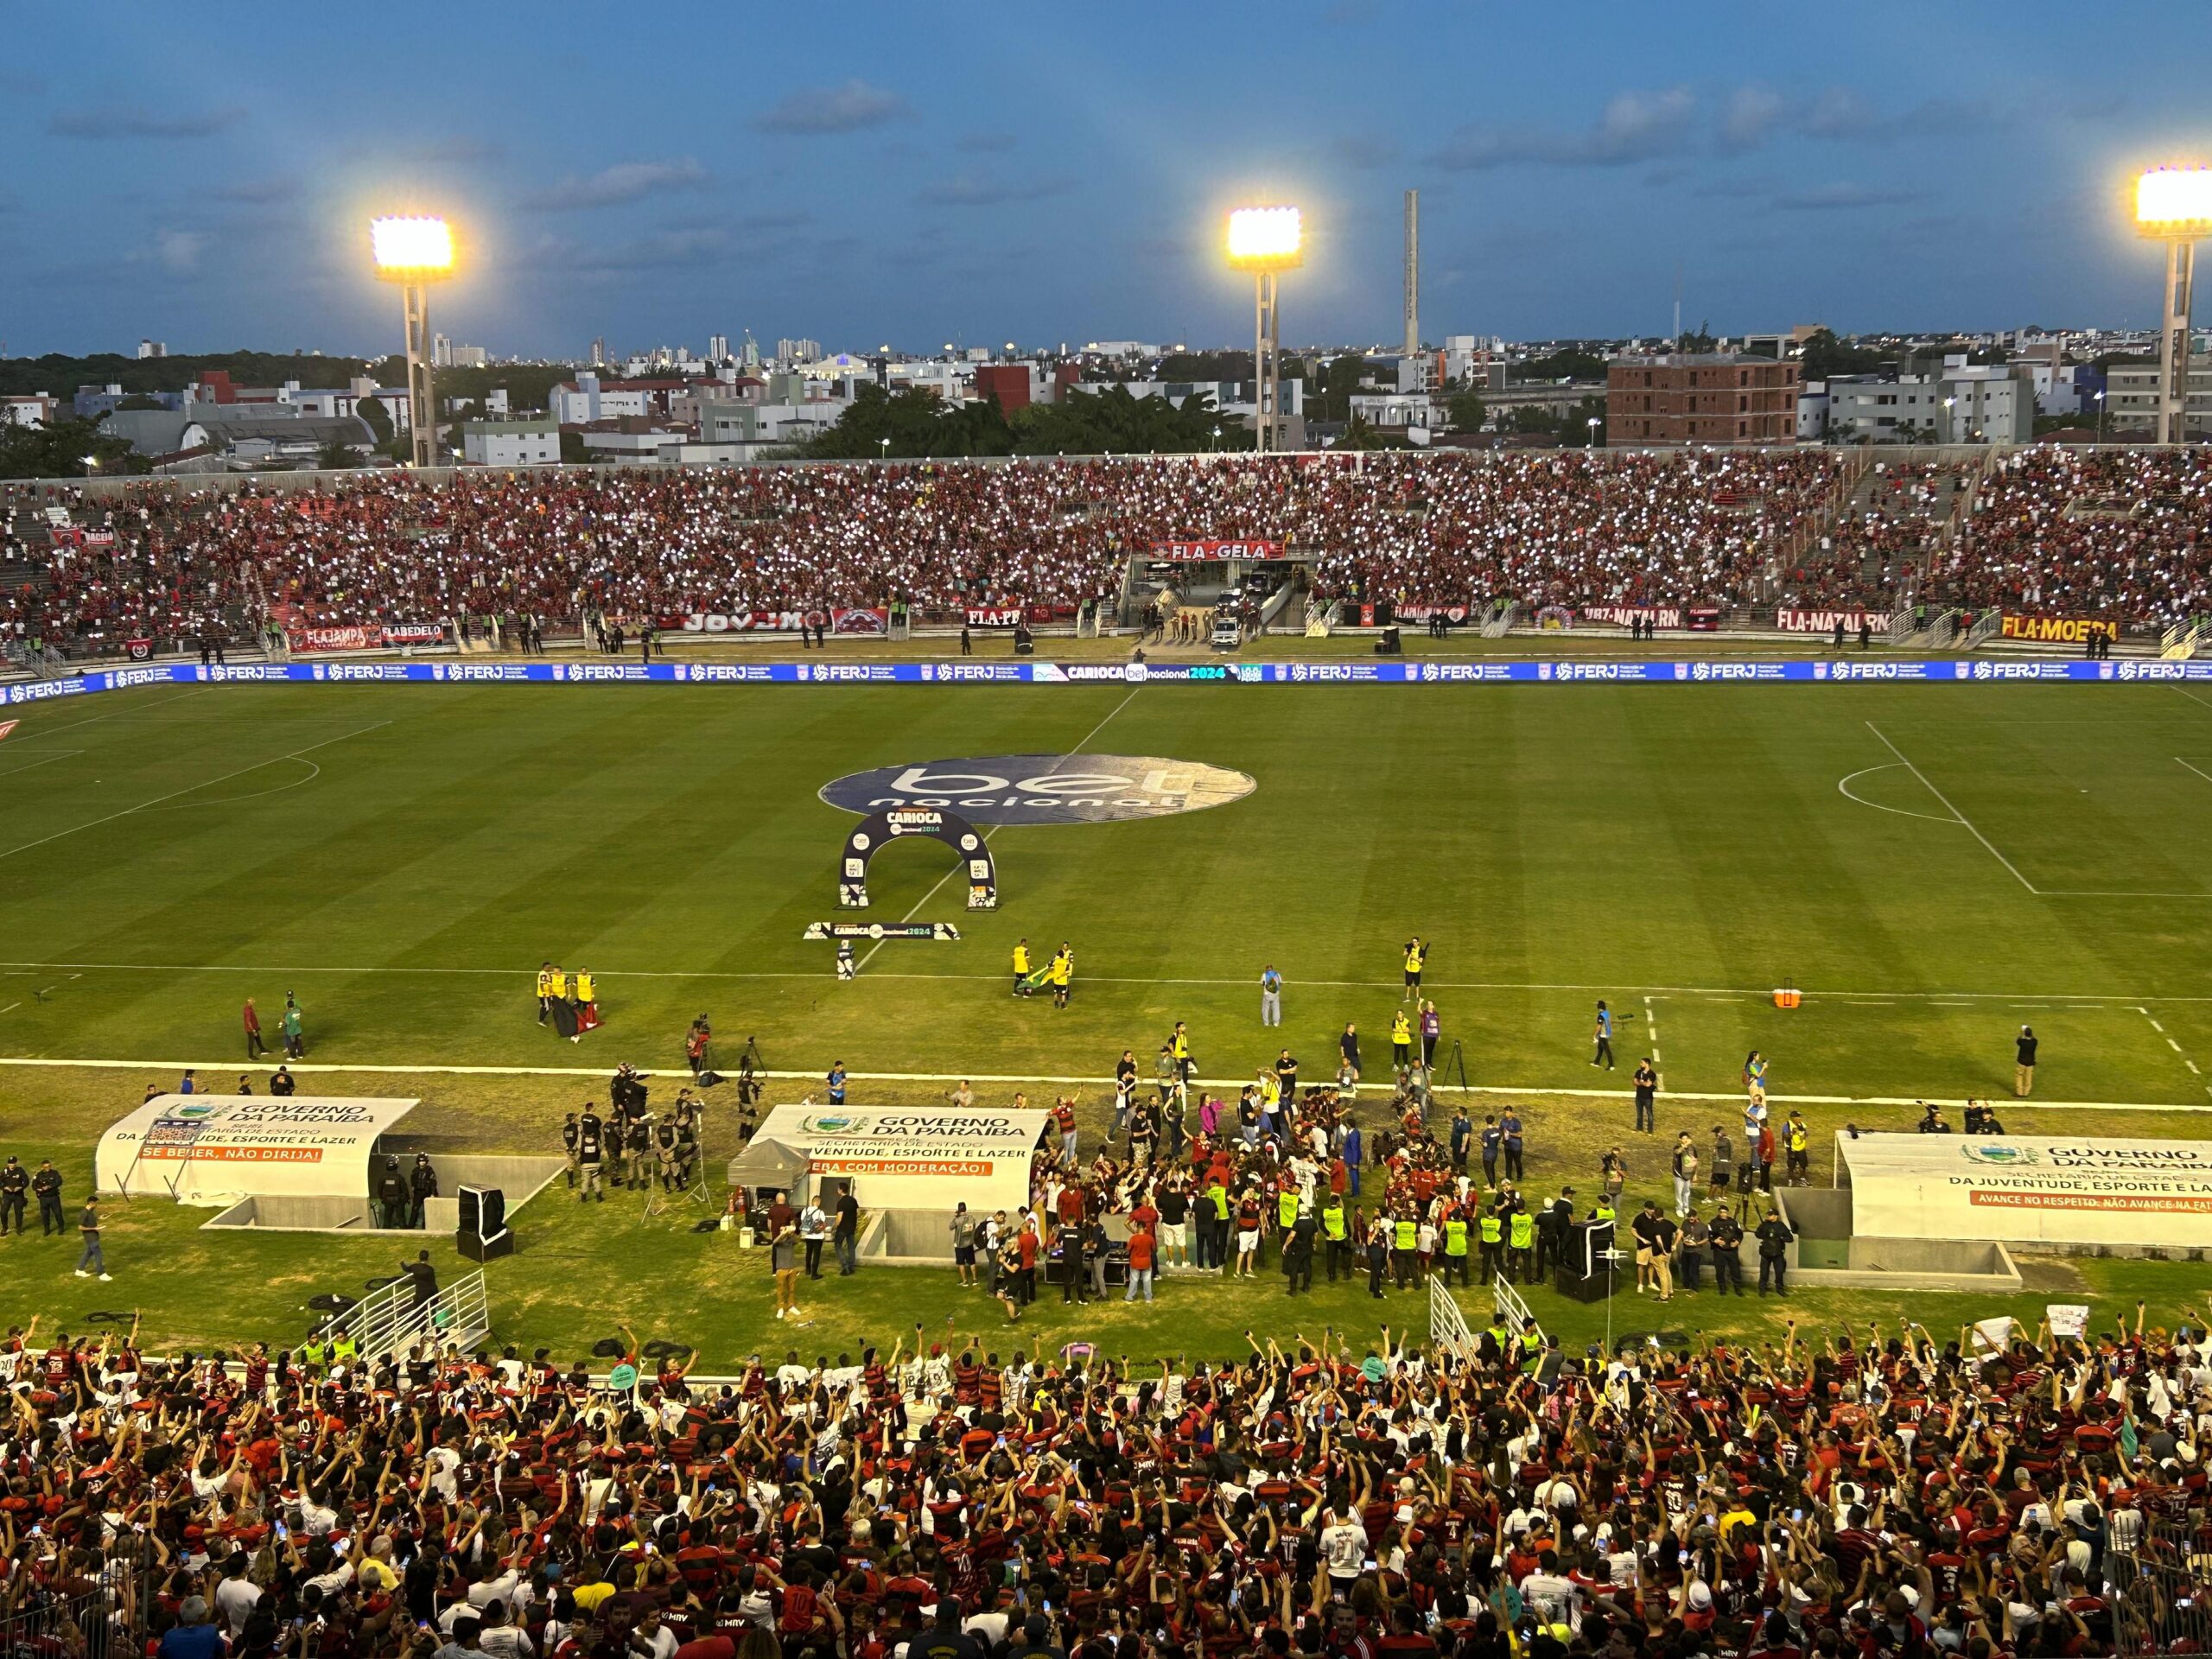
(1038, 789)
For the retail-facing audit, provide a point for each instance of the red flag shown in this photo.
(8, 726)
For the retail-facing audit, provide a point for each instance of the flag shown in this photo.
(8, 726)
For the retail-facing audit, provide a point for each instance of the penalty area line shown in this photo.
(305, 1068)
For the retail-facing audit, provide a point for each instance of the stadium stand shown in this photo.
(2116, 532)
(1893, 1494)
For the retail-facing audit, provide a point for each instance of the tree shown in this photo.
(1467, 410)
(58, 450)
(1569, 363)
(911, 423)
(572, 453)
(138, 400)
(1700, 339)
(1358, 434)
(1823, 356)
(336, 457)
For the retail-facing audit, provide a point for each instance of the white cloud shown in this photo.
(814, 111)
(624, 182)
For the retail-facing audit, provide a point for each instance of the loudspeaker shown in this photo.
(1583, 1271)
(483, 1232)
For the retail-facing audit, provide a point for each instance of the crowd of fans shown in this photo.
(1566, 527)
(1875, 1493)
(2122, 534)
(2111, 531)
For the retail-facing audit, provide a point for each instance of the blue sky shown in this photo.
(920, 172)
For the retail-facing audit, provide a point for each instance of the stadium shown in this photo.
(1491, 1050)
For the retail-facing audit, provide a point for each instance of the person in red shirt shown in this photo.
(1142, 1247)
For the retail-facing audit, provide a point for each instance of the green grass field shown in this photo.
(403, 857)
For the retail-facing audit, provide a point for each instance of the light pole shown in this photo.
(1216, 444)
(2173, 204)
(2101, 417)
(414, 253)
(1267, 241)
(92, 462)
(1593, 424)
(1950, 426)
(886, 442)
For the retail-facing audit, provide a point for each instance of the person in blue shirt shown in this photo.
(1463, 1132)
(836, 1082)
(186, 1086)
(1351, 1151)
(1509, 1127)
(1601, 1053)
(1492, 1139)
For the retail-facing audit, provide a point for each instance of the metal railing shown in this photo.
(107, 1622)
(389, 1319)
(1511, 1304)
(2160, 1575)
(1502, 617)
(1984, 627)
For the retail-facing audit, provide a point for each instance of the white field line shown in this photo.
(37, 732)
(2171, 1043)
(1961, 816)
(306, 1068)
(191, 789)
(2074, 1000)
(1843, 788)
(42, 760)
(2199, 771)
(961, 864)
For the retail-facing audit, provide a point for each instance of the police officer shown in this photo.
(569, 1147)
(591, 1150)
(1297, 1251)
(687, 1139)
(391, 1196)
(1724, 1239)
(1378, 1254)
(1775, 1236)
(15, 1182)
(47, 1184)
(423, 1187)
(638, 1150)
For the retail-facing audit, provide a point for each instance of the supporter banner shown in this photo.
(217, 1149)
(2056, 629)
(744, 622)
(2061, 1190)
(1702, 619)
(930, 1158)
(981, 616)
(1252, 549)
(1659, 616)
(1455, 614)
(865, 620)
(368, 636)
(463, 670)
(96, 538)
(138, 650)
(1787, 620)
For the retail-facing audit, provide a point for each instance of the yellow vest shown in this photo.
(1020, 958)
(1412, 961)
(560, 982)
(583, 987)
(1408, 1235)
(544, 983)
(1400, 1030)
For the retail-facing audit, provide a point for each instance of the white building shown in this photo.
(1865, 409)
(1812, 411)
(717, 348)
(2131, 397)
(1987, 404)
(26, 409)
(587, 398)
(511, 444)
(1413, 410)
(152, 348)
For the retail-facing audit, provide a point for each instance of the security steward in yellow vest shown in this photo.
(1455, 1248)
(1491, 1227)
(1405, 1242)
(1022, 968)
(1520, 1241)
(1335, 1228)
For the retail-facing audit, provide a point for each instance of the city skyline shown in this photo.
(879, 178)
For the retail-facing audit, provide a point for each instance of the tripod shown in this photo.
(1455, 1064)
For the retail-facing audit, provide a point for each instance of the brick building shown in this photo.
(1700, 398)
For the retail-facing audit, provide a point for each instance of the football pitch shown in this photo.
(1934, 865)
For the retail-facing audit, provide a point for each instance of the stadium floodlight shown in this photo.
(414, 252)
(1267, 241)
(2173, 204)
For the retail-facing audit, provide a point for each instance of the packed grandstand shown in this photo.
(1892, 1491)
(2114, 533)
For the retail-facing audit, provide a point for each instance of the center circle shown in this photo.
(1043, 788)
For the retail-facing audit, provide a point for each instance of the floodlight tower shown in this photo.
(2173, 204)
(1266, 241)
(414, 253)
